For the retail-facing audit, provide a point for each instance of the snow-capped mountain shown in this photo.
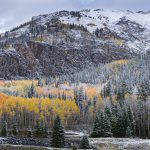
(132, 27)
(65, 41)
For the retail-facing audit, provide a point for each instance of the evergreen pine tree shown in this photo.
(95, 99)
(107, 126)
(76, 96)
(120, 130)
(85, 143)
(147, 87)
(97, 32)
(38, 129)
(86, 97)
(58, 138)
(80, 98)
(122, 123)
(114, 125)
(142, 93)
(64, 97)
(4, 130)
(29, 133)
(32, 92)
(108, 113)
(121, 96)
(97, 129)
(124, 89)
(131, 119)
(44, 131)
(50, 96)
(126, 120)
(47, 81)
(103, 92)
(74, 148)
(40, 83)
(114, 114)
(128, 132)
(14, 130)
(102, 126)
(108, 90)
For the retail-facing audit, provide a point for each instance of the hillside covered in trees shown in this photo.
(110, 100)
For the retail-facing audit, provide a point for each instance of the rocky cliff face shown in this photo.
(10, 64)
(65, 42)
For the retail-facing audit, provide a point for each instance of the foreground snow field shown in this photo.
(98, 143)
(120, 144)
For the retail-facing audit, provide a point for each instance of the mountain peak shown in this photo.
(63, 41)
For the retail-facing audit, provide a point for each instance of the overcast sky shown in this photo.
(15, 12)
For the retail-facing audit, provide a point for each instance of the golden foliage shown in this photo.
(91, 91)
(40, 107)
(118, 62)
(119, 42)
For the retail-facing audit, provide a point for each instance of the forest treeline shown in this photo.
(120, 107)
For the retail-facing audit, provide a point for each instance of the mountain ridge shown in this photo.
(68, 41)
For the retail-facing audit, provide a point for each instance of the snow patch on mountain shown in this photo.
(132, 27)
(100, 17)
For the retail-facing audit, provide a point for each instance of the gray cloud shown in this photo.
(15, 12)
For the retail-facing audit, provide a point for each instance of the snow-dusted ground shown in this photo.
(113, 143)
(73, 134)
(120, 140)
(2, 140)
(120, 144)
(98, 143)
